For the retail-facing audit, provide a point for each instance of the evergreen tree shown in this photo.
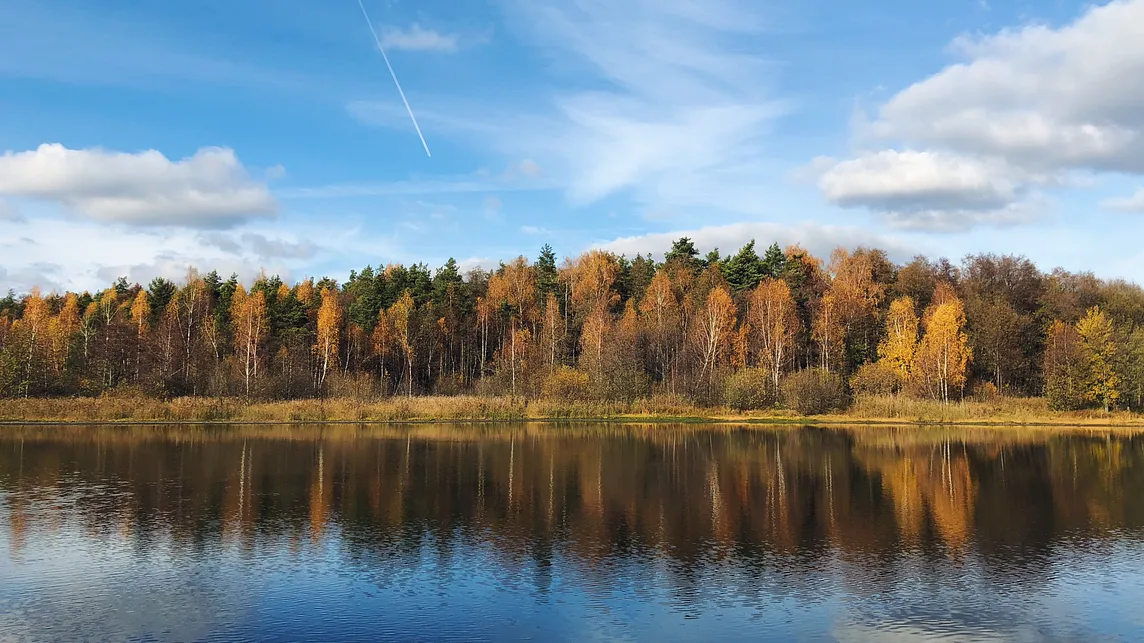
(744, 270)
(683, 251)
(159, 294)
(712, 258)
(547, 276)
(773, 264)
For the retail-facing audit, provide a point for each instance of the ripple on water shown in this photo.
(568, 536)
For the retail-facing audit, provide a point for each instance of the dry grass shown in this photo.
(660, 408)
(196, 409)
(1002, 410)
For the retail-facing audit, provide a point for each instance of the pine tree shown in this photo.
(744, 270)
(773, 264)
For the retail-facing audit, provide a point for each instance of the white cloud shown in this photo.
(930, 190)
(259, 246)
(209, 189)
(436, 187)
(1134, 203)
(818, 239)
(1038, 96)
(1026, 106)
(86, 255)
(417, 38)
(910, 181)
(666, 101)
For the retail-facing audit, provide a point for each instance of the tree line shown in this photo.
(751, 330)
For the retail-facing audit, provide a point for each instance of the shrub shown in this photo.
(985, 392)
(620, 382)
(814, 391)
(750, 389)
(875, 378)
(565, 383)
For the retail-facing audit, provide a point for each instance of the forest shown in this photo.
(776, 329)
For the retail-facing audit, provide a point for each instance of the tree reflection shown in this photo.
(764, 500)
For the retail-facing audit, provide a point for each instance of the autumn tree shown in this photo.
(553, 328)
(828, 332)
(62, 330)
(1064, 367)
(660, 309)
(857, 287)
(381, 338)
(33, 327)
(329, 334)
(712, 330)
(593, 279)
(774, 320)
(514, 288)
(1098, 348)
(401, 321)
(898, 347)
(251, 324)
(943, 355)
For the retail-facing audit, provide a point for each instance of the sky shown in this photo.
(139, 137)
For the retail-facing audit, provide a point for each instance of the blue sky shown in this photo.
(137, 138)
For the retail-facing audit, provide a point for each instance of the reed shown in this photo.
(462, 408)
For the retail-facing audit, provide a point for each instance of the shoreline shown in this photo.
(132, 411)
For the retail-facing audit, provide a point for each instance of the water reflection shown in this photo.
(569, 533)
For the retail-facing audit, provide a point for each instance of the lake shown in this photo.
(569, 533)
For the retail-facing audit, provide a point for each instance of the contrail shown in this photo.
(384, 57)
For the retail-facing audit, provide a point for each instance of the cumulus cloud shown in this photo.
(818, 239)
(1025, 106)
(209, 189)
(911, 181)
(931, 190)
(417, 38)
(1038, 96)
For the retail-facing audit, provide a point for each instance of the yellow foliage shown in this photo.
(1102, 384)
(898, 347)
(943, 356)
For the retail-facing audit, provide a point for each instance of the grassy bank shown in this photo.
(873, 410)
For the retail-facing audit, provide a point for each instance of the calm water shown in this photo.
(578, 533)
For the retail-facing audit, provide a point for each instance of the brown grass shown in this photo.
(1001, 410)
(469, 408)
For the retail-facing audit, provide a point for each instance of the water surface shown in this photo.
(570, 533)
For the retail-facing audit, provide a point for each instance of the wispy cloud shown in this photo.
(418, 38)
(664, 101)
(415, 187)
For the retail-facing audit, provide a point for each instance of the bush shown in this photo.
(814, 391)
(985, 392)
(875, 378)
(565, 383)
(750, 389)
